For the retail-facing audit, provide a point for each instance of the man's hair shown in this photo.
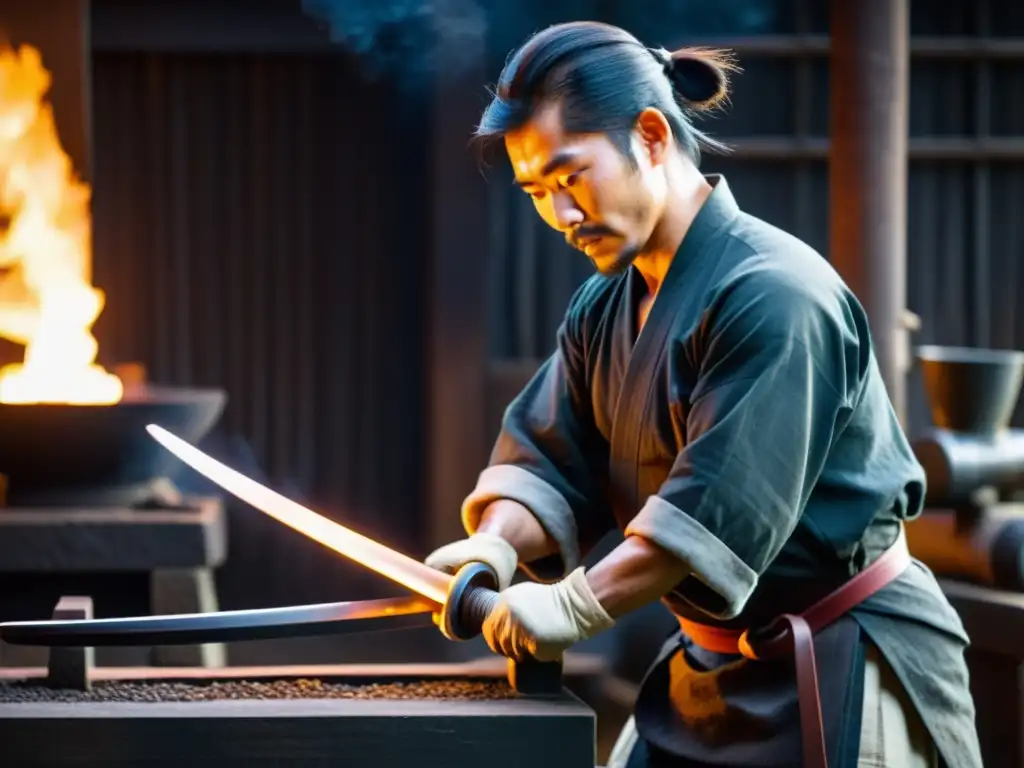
(603, 78)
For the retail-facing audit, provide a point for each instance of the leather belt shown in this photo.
(793, 634)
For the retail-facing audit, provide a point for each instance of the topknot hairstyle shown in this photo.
(603, 78)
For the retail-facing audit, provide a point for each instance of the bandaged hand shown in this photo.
(485, 548)
(543, 620)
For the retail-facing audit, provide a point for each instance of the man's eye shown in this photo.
(568, 181)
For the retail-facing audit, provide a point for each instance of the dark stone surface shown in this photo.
(354, 732)
(113, 540)
(130, 561)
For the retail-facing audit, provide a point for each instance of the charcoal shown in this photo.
(302, 720)
(25, 691)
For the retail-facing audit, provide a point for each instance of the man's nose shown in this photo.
(567, 213)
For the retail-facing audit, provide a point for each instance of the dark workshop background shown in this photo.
(288, 209)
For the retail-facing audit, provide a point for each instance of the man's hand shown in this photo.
(486, 548)
(543, 620)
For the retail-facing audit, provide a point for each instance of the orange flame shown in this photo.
(47, 301)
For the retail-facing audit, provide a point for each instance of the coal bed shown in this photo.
(375, 715)
(20, 692)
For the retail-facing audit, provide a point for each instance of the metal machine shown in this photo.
(973, 524)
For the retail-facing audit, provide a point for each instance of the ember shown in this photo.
(47, 301)
(166, 691)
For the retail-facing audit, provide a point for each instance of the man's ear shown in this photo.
(655, 134)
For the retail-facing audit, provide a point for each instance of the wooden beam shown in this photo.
(798, 46)
(924, 148)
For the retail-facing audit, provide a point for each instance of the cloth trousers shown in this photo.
(892, 733)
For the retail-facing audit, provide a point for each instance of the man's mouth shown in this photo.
(583, 243)
(583, 239)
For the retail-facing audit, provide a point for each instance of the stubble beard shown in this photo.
(617, 266)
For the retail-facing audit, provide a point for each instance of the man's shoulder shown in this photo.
(761, 236)
(781, 274)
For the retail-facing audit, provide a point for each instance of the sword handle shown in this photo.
(477, 604)
(471, 598)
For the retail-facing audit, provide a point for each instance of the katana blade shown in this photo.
(410, 573)
(226, 626)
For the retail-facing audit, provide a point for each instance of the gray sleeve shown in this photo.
(508, 481)
(551, 458)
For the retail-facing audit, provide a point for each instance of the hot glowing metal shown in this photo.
(404, 570)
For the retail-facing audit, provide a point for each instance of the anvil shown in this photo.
(459, 604)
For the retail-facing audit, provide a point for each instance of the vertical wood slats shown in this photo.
(250, 233)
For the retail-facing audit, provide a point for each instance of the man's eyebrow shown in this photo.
(559, 161)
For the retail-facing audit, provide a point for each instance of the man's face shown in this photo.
(585, 188)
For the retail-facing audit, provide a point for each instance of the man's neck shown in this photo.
(688, 189)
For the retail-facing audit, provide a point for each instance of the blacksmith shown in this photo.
(714, 395)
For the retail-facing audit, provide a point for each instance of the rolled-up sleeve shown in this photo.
(550, 457)
(771, 391)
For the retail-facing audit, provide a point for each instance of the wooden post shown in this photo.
(71, 668)
(868, 172)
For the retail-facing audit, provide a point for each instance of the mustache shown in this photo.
(587, 232)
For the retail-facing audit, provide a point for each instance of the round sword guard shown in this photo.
(471, 598)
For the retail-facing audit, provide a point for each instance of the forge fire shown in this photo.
(47, 301)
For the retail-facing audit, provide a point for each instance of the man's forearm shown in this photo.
(519, 527)
(634, 574)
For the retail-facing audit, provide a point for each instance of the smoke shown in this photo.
(673, 23)
(411, 39)
(405, 37)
